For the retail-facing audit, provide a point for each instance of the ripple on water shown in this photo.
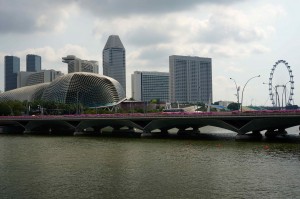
(92, 167)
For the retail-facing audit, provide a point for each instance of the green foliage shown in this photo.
(55, 108)
(4, 109)
(291, 107)
(11, 107)
(154, 101)
(233, 106)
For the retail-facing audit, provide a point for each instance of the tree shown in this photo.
(233, 106)
(291, 107)
(4, 109)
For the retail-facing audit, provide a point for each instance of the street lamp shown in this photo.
(77, 102)
(244, 89)
(237, 91)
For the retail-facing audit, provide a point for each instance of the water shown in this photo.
(101, 167)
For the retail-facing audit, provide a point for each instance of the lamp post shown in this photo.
(77, 100)
(237, 91)
(244, 89)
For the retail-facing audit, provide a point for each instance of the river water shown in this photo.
(103, 167)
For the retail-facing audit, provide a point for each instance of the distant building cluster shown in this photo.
(189, 79)
(14, 78)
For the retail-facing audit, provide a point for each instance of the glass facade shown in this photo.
(11, 69)
(33, 63)
(190, 79)
(147, 86)
(114, 60)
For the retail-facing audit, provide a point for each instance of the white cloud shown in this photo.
(35, 16)
(227, 31)
(223, 89)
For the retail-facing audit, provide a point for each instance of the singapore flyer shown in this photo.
(283, 99)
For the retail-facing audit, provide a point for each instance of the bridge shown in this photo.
(273, 122)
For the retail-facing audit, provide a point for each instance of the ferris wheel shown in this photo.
(273, 90)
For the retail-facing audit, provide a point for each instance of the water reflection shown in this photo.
(93, 167)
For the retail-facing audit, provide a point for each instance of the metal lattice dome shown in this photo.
(89, 89)
(29, 93)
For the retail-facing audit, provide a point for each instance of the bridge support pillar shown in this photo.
(196, 130)
(146, 133)
(255, 135)
(163, 133)
(189, 132)
(96, 130)
(271, 133)
(79, 131)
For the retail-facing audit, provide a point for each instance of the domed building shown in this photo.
(89, 89)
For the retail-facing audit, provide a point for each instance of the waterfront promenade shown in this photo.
(274, 122)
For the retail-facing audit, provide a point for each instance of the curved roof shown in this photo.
(29, 93)
(89, 89)
(113, 41)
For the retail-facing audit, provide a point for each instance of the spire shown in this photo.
(113, 42)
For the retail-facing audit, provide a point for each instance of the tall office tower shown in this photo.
(33, 63)
(11, 69)
(77, 65)
(150, 85)
(32, 78)
(114, 61)
(190, 79)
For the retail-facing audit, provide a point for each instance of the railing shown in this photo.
(156, 115)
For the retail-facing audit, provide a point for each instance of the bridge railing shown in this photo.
(155, 115)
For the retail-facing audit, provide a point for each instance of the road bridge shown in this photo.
(273, 122)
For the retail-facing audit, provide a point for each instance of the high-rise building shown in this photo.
(114, 60)
(147, 86)
(77, 65)
(190, 79)
(32, 78)
(11, 69)
(33, 63)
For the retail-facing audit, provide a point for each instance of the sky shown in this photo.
(244, 38)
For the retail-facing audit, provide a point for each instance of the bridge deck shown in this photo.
(234, 121)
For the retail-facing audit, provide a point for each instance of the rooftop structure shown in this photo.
(77, 65)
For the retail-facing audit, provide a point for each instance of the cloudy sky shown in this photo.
(244, 38)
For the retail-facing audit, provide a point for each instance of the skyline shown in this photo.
(243, 38)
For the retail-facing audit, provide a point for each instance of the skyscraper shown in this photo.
(11, 69)
(33, 63)
(190, 79)
(114, 61)
(150, 85)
